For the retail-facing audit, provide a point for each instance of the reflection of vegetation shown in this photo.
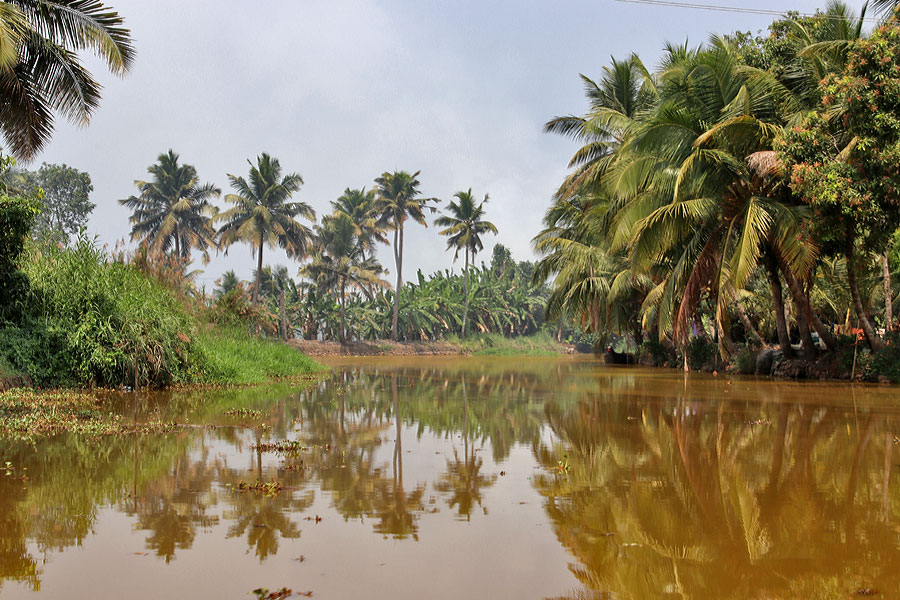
(463, 478)
(715, 499)
(697, 487)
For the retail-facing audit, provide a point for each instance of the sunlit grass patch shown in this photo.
(232, 356)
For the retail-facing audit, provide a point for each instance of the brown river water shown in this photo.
(465, 477)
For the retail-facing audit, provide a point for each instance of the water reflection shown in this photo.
(654, 484)
(724, 499)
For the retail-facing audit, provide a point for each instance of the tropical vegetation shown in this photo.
(734, 171)
(41, 72)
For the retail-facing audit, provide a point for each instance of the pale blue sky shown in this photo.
(341, 91)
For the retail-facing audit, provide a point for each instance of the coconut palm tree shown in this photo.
(40, 70)
(172, 211)
(263, 215)
(885, 6)
(464, 225)
(625, 91)
(398, 200)
(359, 205)
(226, 283)
(338, 261)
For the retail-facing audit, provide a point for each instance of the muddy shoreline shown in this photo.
(388, 348)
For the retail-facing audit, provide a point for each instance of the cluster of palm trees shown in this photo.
(679, 213)
(173, 215)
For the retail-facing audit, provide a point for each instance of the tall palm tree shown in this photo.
(625, 91)
(398, 200)
(465, 224)
(263, 214)
(172, 211)
(40, 70)
(359, 205)
(338, 261)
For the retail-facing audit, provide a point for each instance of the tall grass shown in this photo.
(537, 344)
(230, 355)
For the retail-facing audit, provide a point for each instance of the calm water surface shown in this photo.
(470, 478)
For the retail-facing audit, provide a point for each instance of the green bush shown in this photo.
(745, 361)
(93, 322)
(886, 362)
(655, 354)
(17, 216)
(701, 353)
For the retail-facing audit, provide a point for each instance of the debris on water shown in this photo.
(866, 592)
(265, 594)
(268, 489)
(760, 422)
(300, 558)
(243, 412)
(502, 473)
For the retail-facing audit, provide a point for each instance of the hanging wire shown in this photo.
(739, 9)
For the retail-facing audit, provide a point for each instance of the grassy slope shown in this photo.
(232, 356)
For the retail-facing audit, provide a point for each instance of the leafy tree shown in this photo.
(66, 199)
(172, 213)
(399, 199)
(843, 158)
(40, 69)
(464, 225)
(263, 214)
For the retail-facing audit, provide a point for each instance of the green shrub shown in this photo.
(886, 362)
(701, 353)
(656, 354)
(745, 361)
(93, 322)
(86, 320)
(17, 216)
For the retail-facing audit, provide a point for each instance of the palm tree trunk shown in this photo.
(745, 320)
(804, 315)
(784, 339)
(284, 327)
(343, 319)
(177, 243)
(888, 299)
(466, 292)
(874, 342)
(801, 298)
(398, 260)
(258, 271)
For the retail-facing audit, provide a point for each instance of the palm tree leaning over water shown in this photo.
(399, 199)
(465, 225)
(263, 215)
(40, 70)
(172, 213)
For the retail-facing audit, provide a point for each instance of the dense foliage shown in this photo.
(736, 172)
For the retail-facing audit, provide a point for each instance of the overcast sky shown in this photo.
(341, 91)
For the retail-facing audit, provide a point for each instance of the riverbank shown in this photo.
(486, 345)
